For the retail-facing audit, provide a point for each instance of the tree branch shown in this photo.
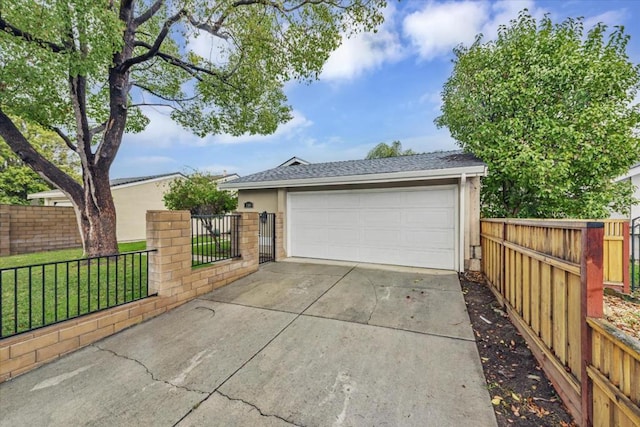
(97, 129)
(17, 32)
(157, 95)
(65, 138)
(43, 167)
(155, 48)
(148, 14)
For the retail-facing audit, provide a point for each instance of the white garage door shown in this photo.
(411, 227)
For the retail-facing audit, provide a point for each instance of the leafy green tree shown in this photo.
(384, 150)
(199, 194)
(85, 70)
(550, 110)
(18, 180)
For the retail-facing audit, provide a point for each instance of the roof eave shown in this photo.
(635, 170)
(431, 174)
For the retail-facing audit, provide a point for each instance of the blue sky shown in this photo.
(375, 88)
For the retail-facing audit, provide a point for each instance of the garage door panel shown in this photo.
(312, 235)
(311, 200)
(384, 238)
(411, 227)
(380, 200)
(443, 198)
(344, 236)
(428, 239)
(344, 217)
(383, 218)
(428, 218)
(312, 217)
(344, 200)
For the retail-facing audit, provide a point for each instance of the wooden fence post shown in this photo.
(591, 306)
(626, 257)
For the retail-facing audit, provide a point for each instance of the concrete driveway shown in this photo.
(293, 344)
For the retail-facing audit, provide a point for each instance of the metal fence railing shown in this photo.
(39, 295)
(214, 238)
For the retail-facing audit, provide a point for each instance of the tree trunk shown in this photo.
(97, 216)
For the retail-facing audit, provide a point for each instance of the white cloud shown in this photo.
(214, 49)
(609, 18)
(163, 132)
(438, 27)
(150, 160)
(365, 51)
(285, 131)
(435, 29)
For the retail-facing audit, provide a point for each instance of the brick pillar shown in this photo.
(170, 233)
(249, 239)
(5, 236)
(280, 252)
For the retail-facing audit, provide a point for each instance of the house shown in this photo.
(132, 197)
(634, 176)
(421, 210)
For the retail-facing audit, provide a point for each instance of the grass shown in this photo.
(59, 285)
(61, 255)
(635, 279)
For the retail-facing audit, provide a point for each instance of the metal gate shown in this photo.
(267, 237)
(635, 254)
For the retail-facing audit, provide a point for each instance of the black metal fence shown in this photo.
(267, 237)
(214, 238)
(39, 295)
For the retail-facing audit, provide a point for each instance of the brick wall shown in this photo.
(27, 229)
(170, 276)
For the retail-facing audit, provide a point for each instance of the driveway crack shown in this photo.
(258, 409)
(151, 374)
(375, 293)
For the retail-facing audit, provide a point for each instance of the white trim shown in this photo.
(461, 221)
(635, 170)
(469, 171)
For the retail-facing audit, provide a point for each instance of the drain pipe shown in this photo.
(462, 216)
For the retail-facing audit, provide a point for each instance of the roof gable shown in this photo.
(294, 161)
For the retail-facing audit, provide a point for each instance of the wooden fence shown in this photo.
(549, 276)
(616, 254)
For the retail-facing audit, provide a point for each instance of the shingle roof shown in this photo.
(418, 162)
(122, 181)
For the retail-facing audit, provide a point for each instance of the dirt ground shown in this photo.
(623, 311)
(521, 393)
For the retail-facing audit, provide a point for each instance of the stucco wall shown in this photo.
(132, 203)
(263, 200)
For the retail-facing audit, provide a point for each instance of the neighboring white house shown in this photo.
(132, 197)
(634, 177)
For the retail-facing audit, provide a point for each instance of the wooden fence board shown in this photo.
(560, 343)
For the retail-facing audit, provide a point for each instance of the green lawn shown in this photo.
(48, 290)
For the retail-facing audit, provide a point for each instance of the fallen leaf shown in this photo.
(515, 397)
(496, 400)
(515, 411)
